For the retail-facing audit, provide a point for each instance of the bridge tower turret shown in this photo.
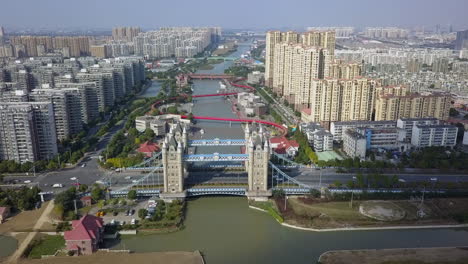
(173, 150)
(258, 148)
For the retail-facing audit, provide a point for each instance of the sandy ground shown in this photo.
(25, 221)
(423, 255)
(114, 258)
(38, 225)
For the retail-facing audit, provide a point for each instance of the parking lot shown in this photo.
(121, 216)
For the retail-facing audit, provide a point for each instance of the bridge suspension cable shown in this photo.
(287, 177)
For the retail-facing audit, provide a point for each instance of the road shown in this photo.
(287, 114)
(307, 176)
(85, 175)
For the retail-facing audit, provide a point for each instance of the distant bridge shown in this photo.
(222, 58)
(217, 142)
(201, 76)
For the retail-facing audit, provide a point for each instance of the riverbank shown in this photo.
(111, 258)
(446, 255)
(304, 214)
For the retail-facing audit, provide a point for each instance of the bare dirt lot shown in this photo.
(113, 258)
(24, 221)
(316, 213)
(397, 256)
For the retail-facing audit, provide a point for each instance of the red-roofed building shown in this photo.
(4, 213)
(148, 148)
(306, 115)
(85, 236)
(283, 146)
(86, 200)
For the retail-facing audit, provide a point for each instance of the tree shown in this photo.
(314, 193)
(83, 188)
(279, 193)
(453, 112)
(132, 194)
(142, 213)
(97, 193)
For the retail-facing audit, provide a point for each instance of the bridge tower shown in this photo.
(173, 150)
(258, 148)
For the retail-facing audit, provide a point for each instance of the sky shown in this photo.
(234, 14)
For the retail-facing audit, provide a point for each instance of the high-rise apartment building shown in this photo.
(100, 51)
(412, 105)
(125, 33)
(2, 35)
(317, 39)
(67, 109)
(78, 46)
(27, 131)
(332, 100)
(295, 68)
(462, 40)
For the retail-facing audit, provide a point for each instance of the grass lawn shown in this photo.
(270, 207)
(46, 245)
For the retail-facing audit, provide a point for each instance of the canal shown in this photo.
(227, 231)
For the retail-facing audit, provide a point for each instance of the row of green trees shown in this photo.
(165, 215)
(23, 198)
(305, 153)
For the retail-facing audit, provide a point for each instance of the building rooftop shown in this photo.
(87, 228)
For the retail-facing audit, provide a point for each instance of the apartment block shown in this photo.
(332, 100)
(414, 105)
(27, 131)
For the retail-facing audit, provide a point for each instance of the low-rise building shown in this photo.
(354, 144)
(86, 201)
(285, 147)
(85, 236)
(465, 138)
(434, 135)
(306, 115)
(4, 213)
(408, 123)
(338, 128)
(148, 148)
(255, 77)
(251, 104)
(319, 138)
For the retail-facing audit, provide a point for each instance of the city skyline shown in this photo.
(245, 14)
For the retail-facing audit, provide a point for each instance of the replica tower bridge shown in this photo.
(264, 169)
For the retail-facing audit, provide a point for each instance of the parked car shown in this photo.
(132, 212)
(115, 213)
(133, 222)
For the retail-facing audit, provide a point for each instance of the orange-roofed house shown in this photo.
(148, 148)
(85, 236)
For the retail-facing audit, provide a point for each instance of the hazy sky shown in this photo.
(231, 13)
